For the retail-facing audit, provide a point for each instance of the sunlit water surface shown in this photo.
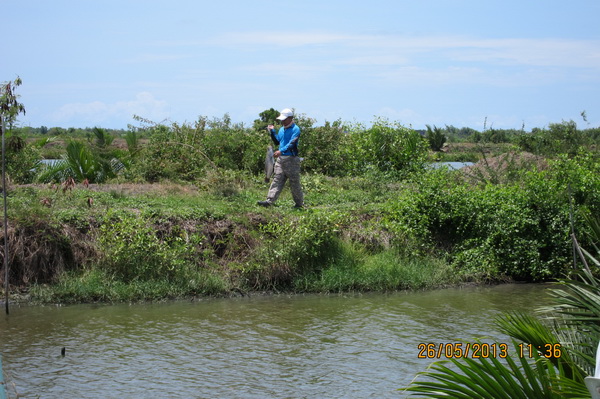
(314, 346)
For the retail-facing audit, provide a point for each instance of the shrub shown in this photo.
(133, 250)
(22, 160)
(321, 147)
(386, 146)
(520, 230)
(559, 138)
(297, 247)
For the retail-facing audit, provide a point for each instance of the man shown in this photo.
(287, 165)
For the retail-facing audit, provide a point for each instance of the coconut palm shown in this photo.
(103, 138)
(436, 137)
(80, 164)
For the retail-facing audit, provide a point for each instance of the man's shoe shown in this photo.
(298, 206)
(264, 203)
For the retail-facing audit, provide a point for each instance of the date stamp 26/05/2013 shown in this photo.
(484, 350)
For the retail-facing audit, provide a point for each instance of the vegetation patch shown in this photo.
(169, 210)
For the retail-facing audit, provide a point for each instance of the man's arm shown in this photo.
(273, 133)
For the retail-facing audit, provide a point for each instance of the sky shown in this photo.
(468, 63)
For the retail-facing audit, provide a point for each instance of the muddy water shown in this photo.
(350, 346)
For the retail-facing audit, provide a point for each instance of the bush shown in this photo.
(321, 146)
(296, 247)
(133, 250)
(520, 230)
(559, 138)
(386, 147)
(435, 137)
(22, 159)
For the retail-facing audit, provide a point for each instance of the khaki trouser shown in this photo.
(286, 167)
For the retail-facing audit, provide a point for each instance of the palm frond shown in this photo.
(578, 301)
(492, 378)
(56, 172)
(528, 329)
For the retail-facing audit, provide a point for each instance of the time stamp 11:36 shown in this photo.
(477, 350)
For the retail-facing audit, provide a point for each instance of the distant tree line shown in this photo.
(185, 151)
(60, 131)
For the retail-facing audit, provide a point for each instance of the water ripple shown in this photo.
(279, 347)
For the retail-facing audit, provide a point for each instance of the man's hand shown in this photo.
(276, 154)
(270, 127)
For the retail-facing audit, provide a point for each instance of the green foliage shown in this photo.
(491, 378)
(185, 152)
(435, 137)
(133, 251)
(518, 229)
(22, 159)
(322, 149)
(305, 241)
(10, 107)
(390, 146)
(559, 138)
(351, 269)
(103, 138)
(133, 142)
(80, 163)
(173, 153)
(266, 118)
(386, 147)
(99, 285)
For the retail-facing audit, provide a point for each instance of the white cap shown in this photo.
(286, 113)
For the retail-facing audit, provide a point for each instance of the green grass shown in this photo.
(353, 270)
(375, 232)
(95, 285)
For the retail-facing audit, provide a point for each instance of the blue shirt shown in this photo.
(287, 139)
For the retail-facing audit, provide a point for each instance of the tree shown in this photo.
(265, 118)
(435, 137)
(10, 107)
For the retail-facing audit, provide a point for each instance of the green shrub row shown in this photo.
(521, 230)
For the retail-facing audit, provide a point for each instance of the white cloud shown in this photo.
(386, 48)
(96, 112)
(427, 77)
(279, 39)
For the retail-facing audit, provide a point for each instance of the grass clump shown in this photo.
(386, 271)
(97, 285)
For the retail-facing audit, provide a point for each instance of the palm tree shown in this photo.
(80, 164)
(436, 138)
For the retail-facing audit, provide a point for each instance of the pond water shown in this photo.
(450, 165)
(304, 346)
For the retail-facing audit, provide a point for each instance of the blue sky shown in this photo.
(457, 62)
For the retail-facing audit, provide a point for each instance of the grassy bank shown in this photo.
(129, 242)
(171, 210)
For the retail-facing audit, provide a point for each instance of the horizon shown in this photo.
(464, 63)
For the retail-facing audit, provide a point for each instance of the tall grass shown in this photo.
(354, 270)
(97, 285)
